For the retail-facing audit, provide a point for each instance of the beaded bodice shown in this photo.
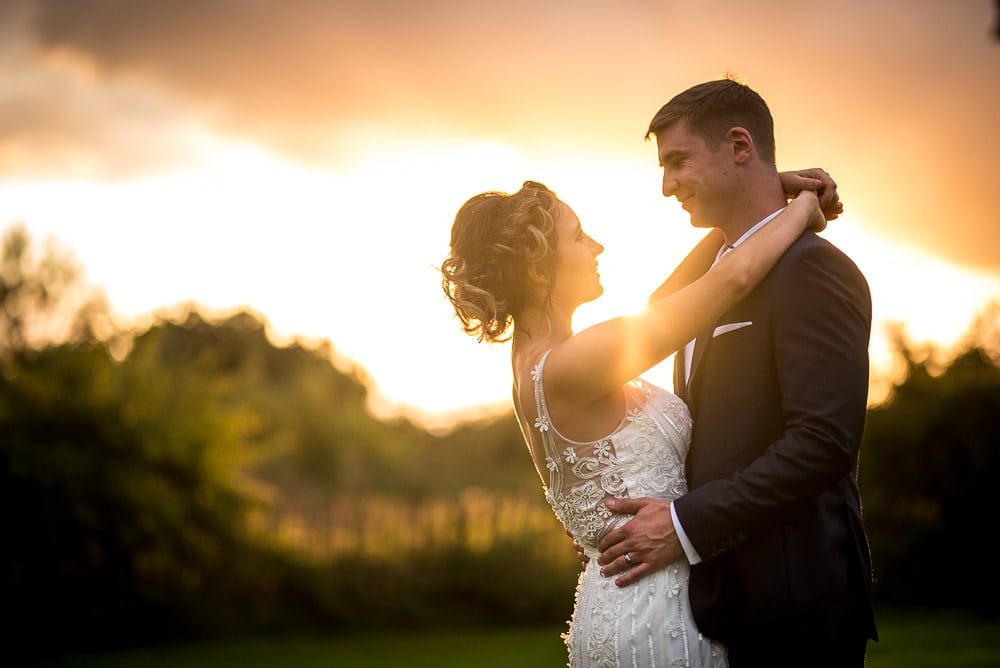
(643, 456)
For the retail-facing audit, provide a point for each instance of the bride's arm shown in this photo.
(691, 267)
(601, 358)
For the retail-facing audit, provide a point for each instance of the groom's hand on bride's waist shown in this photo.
(645, 544)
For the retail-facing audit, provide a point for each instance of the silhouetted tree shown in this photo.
(43, 298)
(930, 465)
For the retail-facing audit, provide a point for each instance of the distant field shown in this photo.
(909, 640)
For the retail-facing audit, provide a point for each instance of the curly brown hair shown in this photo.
(503, 246)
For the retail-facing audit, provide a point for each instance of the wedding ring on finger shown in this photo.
(628, 559)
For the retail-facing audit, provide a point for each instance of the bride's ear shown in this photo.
(538, 282)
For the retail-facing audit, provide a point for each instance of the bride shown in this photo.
(520, 265)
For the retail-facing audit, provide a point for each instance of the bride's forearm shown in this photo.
(697, 262)
(747, 265)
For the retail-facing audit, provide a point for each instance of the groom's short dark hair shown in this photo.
(711, 108)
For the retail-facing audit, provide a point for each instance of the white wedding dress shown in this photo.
(647, 624)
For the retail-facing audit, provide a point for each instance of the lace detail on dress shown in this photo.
(644, 456)
(648, 623)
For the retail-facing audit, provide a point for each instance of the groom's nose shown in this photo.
(669, 184)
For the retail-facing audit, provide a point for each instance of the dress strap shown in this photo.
(543, 422)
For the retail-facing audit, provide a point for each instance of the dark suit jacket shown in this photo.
(773, 508)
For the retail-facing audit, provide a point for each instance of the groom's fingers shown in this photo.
(832, 209)
(616, 565)
(648, 538)
(626, 506)
(610, 546)
(821, 175)
(829, 200)
(635, 573)
(642, 562)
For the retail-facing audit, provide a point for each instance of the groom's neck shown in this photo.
(760, 198)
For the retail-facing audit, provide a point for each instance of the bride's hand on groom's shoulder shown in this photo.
(815, 219)
(820, 182)
(647, 543)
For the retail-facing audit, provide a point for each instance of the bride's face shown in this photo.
(576, 278)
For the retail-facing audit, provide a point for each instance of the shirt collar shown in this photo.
(746, 235)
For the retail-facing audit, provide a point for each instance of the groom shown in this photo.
(772, 526)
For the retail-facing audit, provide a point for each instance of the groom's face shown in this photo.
(697, 174)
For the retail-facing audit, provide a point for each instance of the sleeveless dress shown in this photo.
(647, 624)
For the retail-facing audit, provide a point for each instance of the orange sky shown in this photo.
(305, 157)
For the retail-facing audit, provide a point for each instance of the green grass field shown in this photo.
(908, 640)
(935, 640)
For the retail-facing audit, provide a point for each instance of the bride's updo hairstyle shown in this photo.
(503, 249)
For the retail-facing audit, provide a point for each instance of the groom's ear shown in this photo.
(740, 142)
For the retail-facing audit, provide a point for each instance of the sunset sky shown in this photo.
(305, 158)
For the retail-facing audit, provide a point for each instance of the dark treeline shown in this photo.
(929, 472)
(195, 480)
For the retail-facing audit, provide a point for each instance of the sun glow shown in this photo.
(351, 254)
